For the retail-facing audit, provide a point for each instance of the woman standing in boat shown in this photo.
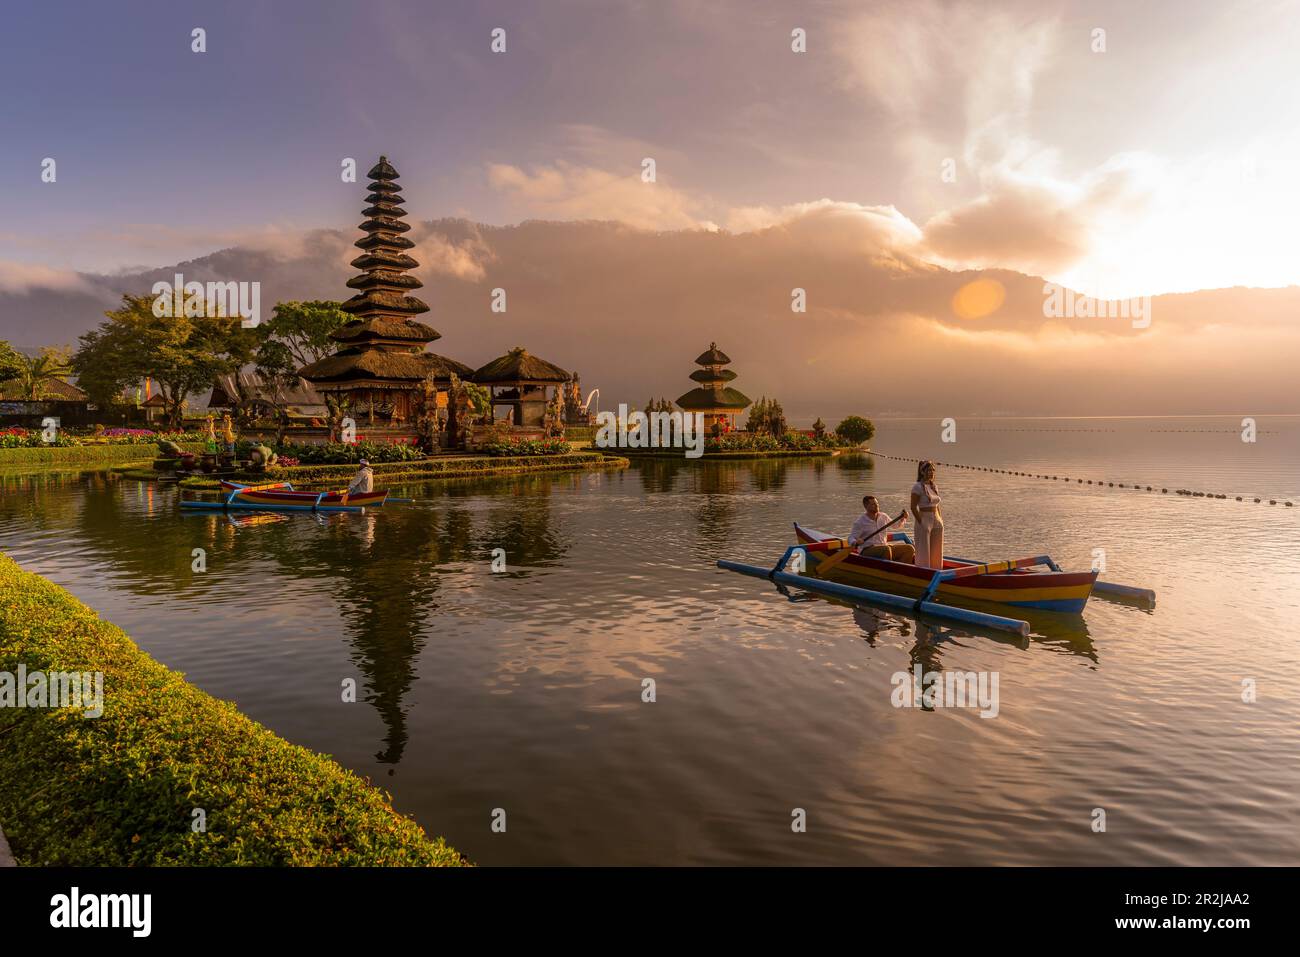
(928, 517)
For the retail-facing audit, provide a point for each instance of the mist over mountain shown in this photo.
(884, 331)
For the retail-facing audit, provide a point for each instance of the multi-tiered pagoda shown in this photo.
(382, 366)
(719, 402)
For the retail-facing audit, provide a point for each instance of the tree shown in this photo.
(182, 354)
(855, 430)
(297, 334)
(10, 362)
(35, 373)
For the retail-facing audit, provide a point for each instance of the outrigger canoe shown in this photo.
(825, 564)
(283, 492)
(281, 496)
(1050, 588)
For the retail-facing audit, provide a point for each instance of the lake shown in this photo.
(522, 689)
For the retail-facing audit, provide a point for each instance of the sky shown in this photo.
(1164, 162)
(921, 168)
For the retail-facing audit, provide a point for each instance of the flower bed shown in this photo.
(761, 442)
(20, 438)
(345, 453)
(527, 447)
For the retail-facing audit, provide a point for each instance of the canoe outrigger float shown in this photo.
(281, 496)
(825, 564)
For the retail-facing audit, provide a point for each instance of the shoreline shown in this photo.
(127, 788)
(140, 469)
(730, 456)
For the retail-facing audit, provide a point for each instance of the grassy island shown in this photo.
(122, 789)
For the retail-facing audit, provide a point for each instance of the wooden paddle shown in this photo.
(884, 528)
(848, 550)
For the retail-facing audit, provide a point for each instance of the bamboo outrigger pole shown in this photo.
(778, 575)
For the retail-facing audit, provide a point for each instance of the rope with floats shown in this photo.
(1097, 482)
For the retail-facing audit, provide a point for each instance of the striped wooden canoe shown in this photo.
(282, 493)
(1019, 587)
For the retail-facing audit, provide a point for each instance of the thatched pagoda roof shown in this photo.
(380, 259)
(380, 224)
(714, 357)
(705, 400)
(380, 210)
(364, 330)
(401, 369)
(706, 376)
(381, 304)
(518, 365)
(370, 280)
(382, 170)
(55, 390)
(300, 394)
(379, 241)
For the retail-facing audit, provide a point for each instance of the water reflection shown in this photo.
(526, 691)
(383, 571)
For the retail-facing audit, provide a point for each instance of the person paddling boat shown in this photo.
(363, 481)
(869, 535)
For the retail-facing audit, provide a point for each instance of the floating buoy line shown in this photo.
(1096, 482)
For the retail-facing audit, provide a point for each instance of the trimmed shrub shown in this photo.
(119, 790)
(528, 447)
(343, 453)
(855, 430)
(87, 455)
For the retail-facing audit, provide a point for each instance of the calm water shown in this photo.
(522, 690)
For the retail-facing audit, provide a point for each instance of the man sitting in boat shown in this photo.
(868, 532)
(364, 480)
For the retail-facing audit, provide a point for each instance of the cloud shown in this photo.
(438, 254)
(958, 82)
(23, 278)
(569, 191)
(831, 222)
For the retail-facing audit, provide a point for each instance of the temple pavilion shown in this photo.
(526, 390)
(718, 401)
(381, 367)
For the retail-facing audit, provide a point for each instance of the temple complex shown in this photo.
(526, 391)
(381, 373)
(718, 401)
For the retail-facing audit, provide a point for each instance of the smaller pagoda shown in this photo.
(525, 387)
(719, 403)
(381, 367)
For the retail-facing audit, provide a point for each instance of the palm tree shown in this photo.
(36, 372)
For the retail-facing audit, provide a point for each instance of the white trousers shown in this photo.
(929, 540)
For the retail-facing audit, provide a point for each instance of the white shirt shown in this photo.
(363, 482)
(927, 497)
(868, 530)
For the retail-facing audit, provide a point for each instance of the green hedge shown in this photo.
(452, 466)
(730, 456)
(90, 455)
(120, 789)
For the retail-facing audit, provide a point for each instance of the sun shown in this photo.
(978, 299)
